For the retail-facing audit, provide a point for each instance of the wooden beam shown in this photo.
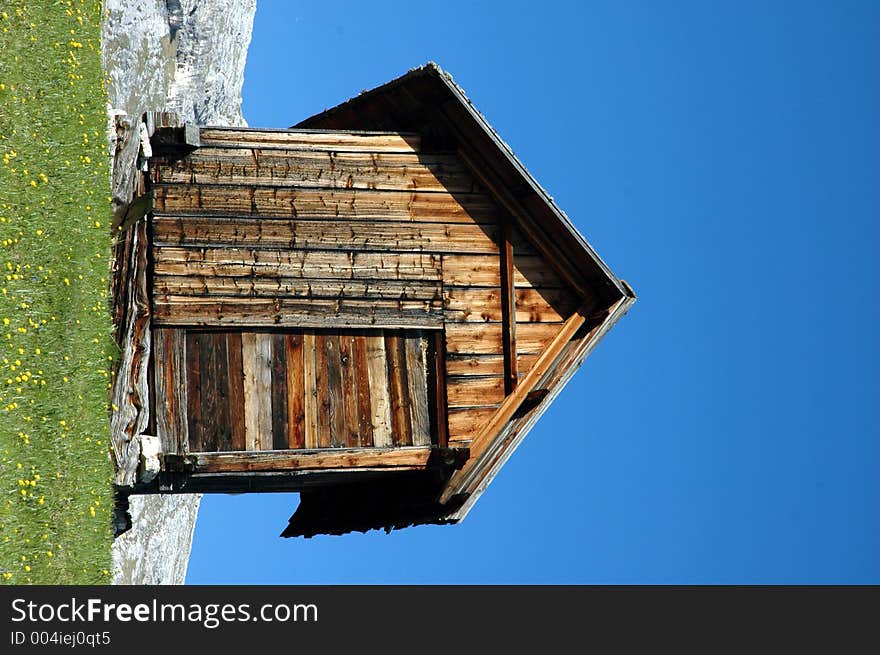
(441, 425)
(511, 403)
(508, 308)
(316, 459)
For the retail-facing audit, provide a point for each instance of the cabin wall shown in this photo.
(261, 229)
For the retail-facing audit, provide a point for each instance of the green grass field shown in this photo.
(55, 346)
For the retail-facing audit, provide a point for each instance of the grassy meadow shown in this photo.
(56, 352)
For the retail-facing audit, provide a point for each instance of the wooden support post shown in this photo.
(439, 396)
(508, 308)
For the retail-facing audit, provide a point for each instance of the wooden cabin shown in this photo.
(371, 308)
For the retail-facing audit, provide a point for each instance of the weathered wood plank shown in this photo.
(416, 362)
(278, 363)
(321, 459)
(296, 390)
(256, 287)
(209, 384)
(485, 338)
(323, 391)
(336, 390)
(349, 204)
(472, 391)
(471, 271)
(362, 375)
(349, 390)
(484, 271)
(464, 423)
(296, 312)
(323, 140)
(380, 407)
(296, 264)
(195, 429)
(236, 390)
(311, 406)
(467, 364)
(325, 235)
(130, 392)
(401, 427)
(256, 351)
(222, 437)
(169, 369)
(484, 304)
(300, 169)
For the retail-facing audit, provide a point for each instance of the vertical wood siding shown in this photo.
(258, 391)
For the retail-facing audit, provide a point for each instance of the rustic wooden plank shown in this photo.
(326, 170)
(296, 391)
(478, 270)
(416, 362)
(323, 391)
(508, 310)
(222, 437)
(543, 305)
(194, 393)
(296, 264)
(349, 390)
(256, 350)
(362, 377)
(363, 236)
(320, 459)
(349, 204)
(471, 391)
(485, 338)
(380, 407)
(401, 427)
(169, 370)
(437, 385)
(512, 402)
(208, 393)
(467, 364)
(471, 271)
(295, 312)
(130, 393)
(322, 140)
(255, 287)
(311, 406)
(336, 391)
(464, 423)
(279, 419)
(236, 390)
(162, 405)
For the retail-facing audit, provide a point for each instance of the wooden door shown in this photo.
(222, 391)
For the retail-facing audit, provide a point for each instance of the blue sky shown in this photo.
(722, 157)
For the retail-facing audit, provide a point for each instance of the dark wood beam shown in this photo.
(508, 308)
(440, 404)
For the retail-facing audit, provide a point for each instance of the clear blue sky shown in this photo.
(724, 158)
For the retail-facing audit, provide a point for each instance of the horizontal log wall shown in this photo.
(291, 390)
(263, 228)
